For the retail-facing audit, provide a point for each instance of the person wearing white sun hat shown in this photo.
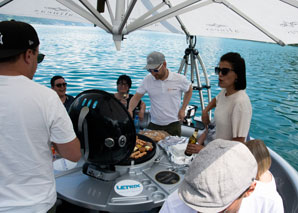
(217, 180)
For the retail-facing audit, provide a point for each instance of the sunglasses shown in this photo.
(155, 70)
(61, 84)
(223, 71)
(40, 58)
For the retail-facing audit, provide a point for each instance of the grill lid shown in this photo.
(104, 127)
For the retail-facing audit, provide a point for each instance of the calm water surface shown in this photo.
(87, 58)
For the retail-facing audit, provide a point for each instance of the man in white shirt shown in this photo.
(165, 90)
(31, 118)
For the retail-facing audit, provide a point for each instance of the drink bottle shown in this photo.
(137, 123)
(192, 140)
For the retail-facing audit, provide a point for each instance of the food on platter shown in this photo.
(140, 142)
(141, 149)
(134, 154)
(155, 135)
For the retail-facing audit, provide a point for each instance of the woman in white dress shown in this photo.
(232, 105)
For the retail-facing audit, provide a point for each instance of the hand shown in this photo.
(181, 115)
(193, 148)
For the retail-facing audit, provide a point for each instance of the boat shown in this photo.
(82, 189)
(95, 194)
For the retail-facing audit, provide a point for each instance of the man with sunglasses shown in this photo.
(165, 89)
(31, 118)
(59, 85)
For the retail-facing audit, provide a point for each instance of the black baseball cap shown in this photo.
(16, 37)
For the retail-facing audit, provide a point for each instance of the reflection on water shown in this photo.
(87, 58)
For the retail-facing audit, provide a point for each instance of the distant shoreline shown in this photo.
(42, 21)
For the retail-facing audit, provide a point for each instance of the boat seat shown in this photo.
(286, 181)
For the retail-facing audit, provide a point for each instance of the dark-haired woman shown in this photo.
(123, 86)
(233, 109)
(59, 84)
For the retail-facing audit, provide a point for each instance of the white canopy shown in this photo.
(258, 20)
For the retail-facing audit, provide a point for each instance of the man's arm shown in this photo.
(186, 99)
(142, 110)
(71, 150)
(134, 102)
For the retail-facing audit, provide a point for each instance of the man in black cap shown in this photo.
(31, 118)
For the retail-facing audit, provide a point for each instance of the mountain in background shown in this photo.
(44, 21)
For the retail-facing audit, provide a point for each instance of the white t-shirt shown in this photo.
(232, 115)
(264, 199)
(165, 96)
(31, 117)
(174, 204)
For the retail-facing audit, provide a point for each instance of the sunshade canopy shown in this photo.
(265, 20)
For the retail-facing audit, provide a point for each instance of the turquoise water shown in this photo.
(87, 58)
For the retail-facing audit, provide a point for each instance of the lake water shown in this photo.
(87, 58)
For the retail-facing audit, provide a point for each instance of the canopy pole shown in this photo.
(82, 12)
(5, 2)
(192, 55)
(251, 21)
(291, 2)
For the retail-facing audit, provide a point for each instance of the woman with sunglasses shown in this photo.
(232, 105)
(59, 85)
(122, 94)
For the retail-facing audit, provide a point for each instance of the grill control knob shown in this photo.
(109, 142)
(122, 141)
